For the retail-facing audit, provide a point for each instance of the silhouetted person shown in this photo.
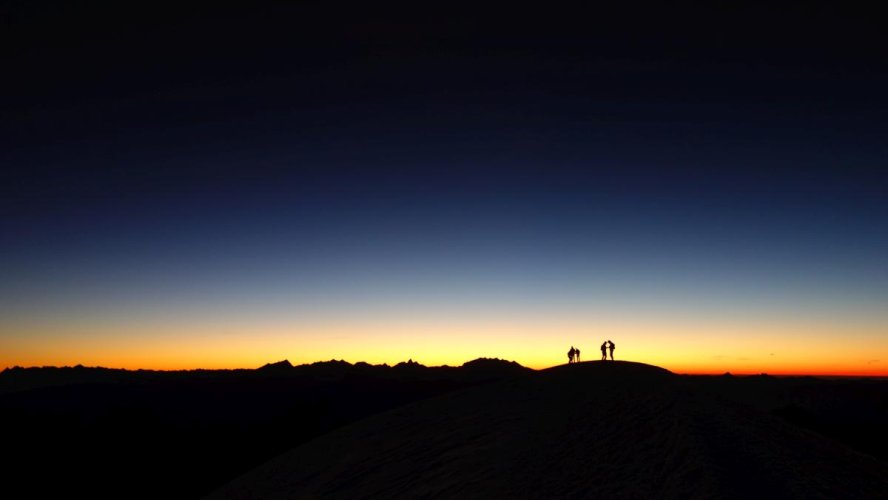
(576, 355)
(611, 347)
(570, 355)
(604, 351)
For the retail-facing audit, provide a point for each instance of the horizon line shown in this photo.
(333, 360)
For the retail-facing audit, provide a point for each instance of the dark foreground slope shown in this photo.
(593, 429)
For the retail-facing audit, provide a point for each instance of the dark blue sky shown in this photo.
(155, 156)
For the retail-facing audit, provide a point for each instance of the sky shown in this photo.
(703, 184)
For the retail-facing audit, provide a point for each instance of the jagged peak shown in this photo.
(409, 363)
(284, 364)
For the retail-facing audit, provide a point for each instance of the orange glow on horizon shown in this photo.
(690, 347)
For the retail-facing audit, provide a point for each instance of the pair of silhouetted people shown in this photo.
(573, 355)
(607, 345)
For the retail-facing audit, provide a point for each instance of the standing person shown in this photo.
(570, 355)
(611, 347)
(576, 355)
(604, 351)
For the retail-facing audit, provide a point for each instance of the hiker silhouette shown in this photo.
(611, 347)
(576, 355)
(570, 354)
(604, 351)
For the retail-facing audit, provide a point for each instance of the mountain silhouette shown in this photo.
(281, 367)
(16, 379)
(592, 429)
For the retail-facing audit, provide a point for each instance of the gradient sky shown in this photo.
(705, 186)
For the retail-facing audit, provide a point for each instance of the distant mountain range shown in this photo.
(19, 379)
